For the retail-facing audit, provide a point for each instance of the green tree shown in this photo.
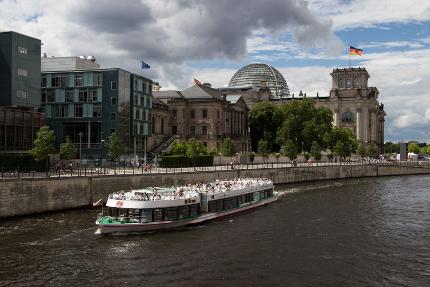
(362, 151)
(316, 151)
(44, 145)
(372, 150)
(115, 147)
(304, 123)
(290, 150)
(264, 120)
(67, 149)
(392, 147)
(413, 147)
(227, 148)
(347, 139)
(263, 148)
(194, 148)
(339, 149)
(306, 155)
(178, 148)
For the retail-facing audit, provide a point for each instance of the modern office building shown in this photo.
(89, 105)
(19, 91)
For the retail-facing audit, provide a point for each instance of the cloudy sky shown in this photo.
(209, 40)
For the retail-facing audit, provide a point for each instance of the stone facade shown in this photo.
(207, 115)
(353, 103)
(161, 124)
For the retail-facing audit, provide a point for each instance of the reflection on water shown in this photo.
(362, 232)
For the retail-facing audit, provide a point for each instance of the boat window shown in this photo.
(158, 214)
(241, 199)
(123, 212)
(194, 210)
(212, 206)
(263, 194)
(183, 212)
(171, 213)
(256, 196)
(219, 205)
(134, 213)
(230, 203)
(146, 215)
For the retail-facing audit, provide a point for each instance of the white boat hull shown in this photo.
(162, 225)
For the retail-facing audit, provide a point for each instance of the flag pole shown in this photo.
(349, 54)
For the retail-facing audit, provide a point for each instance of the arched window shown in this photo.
(342, 84)
(348, 117)
(348, 83)
(356, 83)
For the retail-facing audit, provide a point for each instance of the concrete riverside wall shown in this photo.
(31, 196)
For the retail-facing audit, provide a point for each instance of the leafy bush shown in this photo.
(21, 162)
(184, 161)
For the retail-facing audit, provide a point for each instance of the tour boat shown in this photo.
(159, 208)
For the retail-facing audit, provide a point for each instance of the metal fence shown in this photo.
(84, 171)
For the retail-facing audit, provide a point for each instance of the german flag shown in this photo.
(355, 51)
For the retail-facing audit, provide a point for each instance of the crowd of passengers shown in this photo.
(193, 190)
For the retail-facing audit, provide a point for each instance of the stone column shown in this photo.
(374, 126)
(336, 117)
(358, 124)
(365, 126)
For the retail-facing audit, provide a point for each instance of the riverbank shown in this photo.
(38, 195)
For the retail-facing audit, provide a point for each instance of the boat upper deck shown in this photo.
(191, 191)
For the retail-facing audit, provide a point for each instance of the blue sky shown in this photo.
(210, 40)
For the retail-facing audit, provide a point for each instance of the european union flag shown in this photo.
(145, 66)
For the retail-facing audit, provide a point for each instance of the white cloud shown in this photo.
(371, 13)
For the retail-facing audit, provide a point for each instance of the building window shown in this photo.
(217, 114)
(192, 131)
(78, 80)
(97, 111)
(153, 125)
(92, 95)
(97, 79)
(112, 131)
(113, 85)
(70, 94)
(43, 84)
(60, 111)
(356, 83)
(193, 114)
(204, 113)
(22, 72)
(174, 113)
(22, 94)
(22, 50)
(43, 96)
(113, 101)
(348, 83)
(113, 116)
(83, 96)
(204, 130)
(78, 111)
(50, 96)
(348, 117)
(342, 84)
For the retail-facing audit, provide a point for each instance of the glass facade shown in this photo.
(87, 106)
(255, 74)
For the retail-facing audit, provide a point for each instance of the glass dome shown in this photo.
(256, 73)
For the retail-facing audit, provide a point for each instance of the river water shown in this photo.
(363, 232)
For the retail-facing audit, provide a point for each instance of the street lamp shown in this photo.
(101, 152)
(302, 147)
(80, 134)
